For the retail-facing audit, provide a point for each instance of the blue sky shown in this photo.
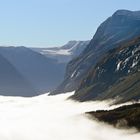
(45, 23)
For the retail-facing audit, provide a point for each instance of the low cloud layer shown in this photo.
(54, 118)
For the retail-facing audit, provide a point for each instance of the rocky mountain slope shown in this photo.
(116, 76)
(122, 117)
(122, 26)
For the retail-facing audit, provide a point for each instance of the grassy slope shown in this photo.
(127, 89)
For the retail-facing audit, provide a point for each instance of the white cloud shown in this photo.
(54, 118)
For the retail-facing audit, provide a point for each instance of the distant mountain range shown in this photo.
(122, 28)
(65, 53)
(26, 72)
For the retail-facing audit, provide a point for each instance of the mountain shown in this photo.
(121, 27)
(64, 53)
(43, 73)
(116, 76)
(43, 68)
(122, 117)
(12, 83)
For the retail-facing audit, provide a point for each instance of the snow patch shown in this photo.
(57, 52)
(134, 64)
(118, 66)
(73, 74)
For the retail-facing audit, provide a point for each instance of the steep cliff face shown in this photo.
(122, 26)
(117, 75)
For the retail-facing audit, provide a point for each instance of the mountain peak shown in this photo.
(72, 41)
(123, 12)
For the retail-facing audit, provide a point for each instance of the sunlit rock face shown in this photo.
(55, 118)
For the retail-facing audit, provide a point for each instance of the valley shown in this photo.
(83, 90)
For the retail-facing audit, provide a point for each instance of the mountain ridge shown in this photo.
(110, 34)
(43, 73)
(116, 76)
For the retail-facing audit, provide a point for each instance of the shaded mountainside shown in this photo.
(65, 53)
(29, 72)
(117, 75)
(43, 73)
(122, 117)
(12, 83)
(122, 26)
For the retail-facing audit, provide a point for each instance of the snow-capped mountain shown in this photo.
(65, 53)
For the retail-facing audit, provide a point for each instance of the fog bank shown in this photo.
(55, 118)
